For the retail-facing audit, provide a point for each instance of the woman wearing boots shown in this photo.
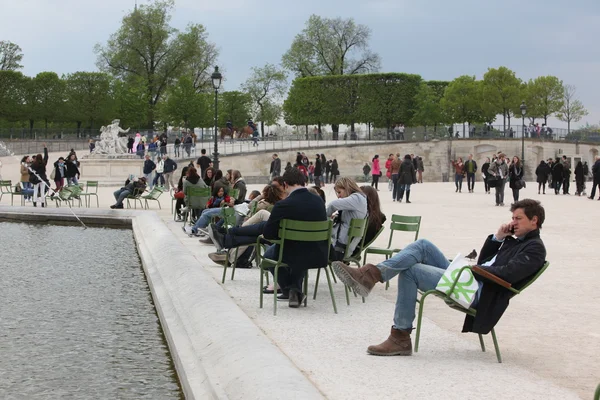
(39, 179)
(376, 171)
(406, 177)
(515, 177)
(542, 172)
(459, 170)
(579, 178)
(499, 171)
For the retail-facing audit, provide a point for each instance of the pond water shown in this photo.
(76, 317)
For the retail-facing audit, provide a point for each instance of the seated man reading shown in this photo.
(515, 253)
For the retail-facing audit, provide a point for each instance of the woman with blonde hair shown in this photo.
(351, 203)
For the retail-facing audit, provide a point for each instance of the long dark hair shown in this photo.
(272, 194)
(192, 175)
(373, 206)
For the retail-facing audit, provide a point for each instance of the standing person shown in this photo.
(557, 175)
(375, 171)
(485, 175)
(394, 171)
(60, 172)
(163, 144)
(579, 178)
(541, 173)
(471, 169)
(596, 174)
(323, 164)
(177, 146)
(140, 150)
(388, 172)
(515, 177)
(335, 171)
(72, 173)
(459, 170)
(37, 176)
(401, 129)
(550, 164)
(148, 168)
(160, 169)
(203, 162)
(301, 167)
(92, 146)
(169, 169)
(130, 145)
(499, 170)
(179, 194)
(311, 172)
(420, 169)
(318, 171)
(275, 169)
(406, 177)
(188, 142)
(566, 175)
(25, 184)
(366, 171)
(328, 172)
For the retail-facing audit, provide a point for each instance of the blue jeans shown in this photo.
(420, 265)
(458, 178)
(205, 218)
(72, 181)
(121, 195)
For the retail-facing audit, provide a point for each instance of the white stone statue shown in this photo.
(110, 142)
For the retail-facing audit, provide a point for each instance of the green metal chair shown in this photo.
(153, 196)
(229, 216)
(301, 231)
(135, 197)
(64, 194)
(597, 394)
(5, 188)
(234, 193)
(472, 311)
(195, 201)
(91, 189)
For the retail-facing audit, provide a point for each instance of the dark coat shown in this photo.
(300, 205)
(557, 172)
(515, 173)
(407, 173)
(241, 186)
(334, 168)
(596, 171)
(484, 169)
(39, 169)
(72, 169)
(170, 166)
(542, 172)
(516, 262)
(318, 167)
(275, 166)
(579, 177)
(149, 166)
(467, 163)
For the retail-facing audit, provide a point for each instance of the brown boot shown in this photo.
(398, 344)
(360, 279)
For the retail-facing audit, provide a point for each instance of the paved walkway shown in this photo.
(548, 336)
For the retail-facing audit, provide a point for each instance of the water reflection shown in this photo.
(77, 319)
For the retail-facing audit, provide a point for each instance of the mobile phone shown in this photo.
(512, 230)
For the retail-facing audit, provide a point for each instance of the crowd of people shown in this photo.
(401, 173)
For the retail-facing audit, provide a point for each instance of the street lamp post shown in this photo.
(523, 112)
(216, 82)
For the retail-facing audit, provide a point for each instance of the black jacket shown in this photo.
(72, 169)
(300, 205)
(39, 169)
(557, 172)
(149, 166)
(318, 168)
(516, 262)
(170, 166)
(275, 166)
(57, 172)
(467, 163)
(515, 173)
(484, 169)
(542, 172)
(406, 175)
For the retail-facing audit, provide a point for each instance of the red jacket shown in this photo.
(226, 200)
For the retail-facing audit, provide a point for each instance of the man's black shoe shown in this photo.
(284, 296)
(217, 237)
(296, 299)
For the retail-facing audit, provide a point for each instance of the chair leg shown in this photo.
(261, 287)
(225, 268)
(234, 262)
(159, 207)
(481, 342)
(332, 274)
(347, 295)
(306, 289)
(275, 291)
(418, 334)
(317, 282)
(330, 291)
(498, 355)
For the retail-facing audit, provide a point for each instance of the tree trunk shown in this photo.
(504, 123)
(568, 127)
(464, 129)
(31, 128)
(262, 129)
(369, 127)
(335, 131)
(306, 127)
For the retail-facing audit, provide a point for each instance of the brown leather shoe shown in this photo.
(360, 279)
(398, 344)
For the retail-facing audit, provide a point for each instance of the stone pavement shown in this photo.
(548, 336)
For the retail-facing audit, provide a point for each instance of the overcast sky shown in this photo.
(438, 39)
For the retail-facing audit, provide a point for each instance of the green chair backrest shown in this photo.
(404, 223)
(535, 277)
(234, 193)
(597, 394)
(155, 193)
(65, 193)
(366, 245)
(304, 231)
(91, 184)
(5, 186)
(358, 228)
(229, 216)
(254, 207)
(197, 197)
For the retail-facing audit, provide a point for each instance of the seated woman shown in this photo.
(375, 217)
(209, 175)
(318, 191)
(192, 179)
(351, 203)
(180, 195)
(237, 182)
(218, 198)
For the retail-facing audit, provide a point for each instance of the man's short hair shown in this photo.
(294, 177)
(203, 151)
(531, 208)
(275, 155)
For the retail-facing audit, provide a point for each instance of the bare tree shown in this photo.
(572, 108)
(10, 56)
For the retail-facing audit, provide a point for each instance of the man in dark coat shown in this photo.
(596, 173)
(515, 253)
(557, 175)
(275, 166)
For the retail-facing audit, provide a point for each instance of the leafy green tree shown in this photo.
(461, 101)
(428, 111)
(10, 56)
(129, 102)
(236, 107)
(331, 47)
(572, 109)
(12, 92)
(146, 46)
(183, 106)
(88, 98)
(266, 86)
(305, 103)
(50, 93)
(501, 92)
(545, 96)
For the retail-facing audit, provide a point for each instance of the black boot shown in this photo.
(408, 196)
(400, 196)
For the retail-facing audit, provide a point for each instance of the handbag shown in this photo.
(53, 173)
(519, 184)
(493, 181)
(179, 195)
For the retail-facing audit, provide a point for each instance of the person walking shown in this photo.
(148, 168)
(160, 169)
(459, 170)
(177, 146)
(169, 169)
(275, 169)
(394, 171)
(557, 175)
(335, 171)
(471, 169)
(406, 177)
(485, 174)
(515, 177)
(420, 169)
(375, 171)
(388, 172)
(318, 171)
(579, 178)
(499, 171)
(596, 174)
(328, 171)
(366, 171)
(541, 173)
(566, 178)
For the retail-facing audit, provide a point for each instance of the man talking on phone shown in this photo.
(515, 253)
